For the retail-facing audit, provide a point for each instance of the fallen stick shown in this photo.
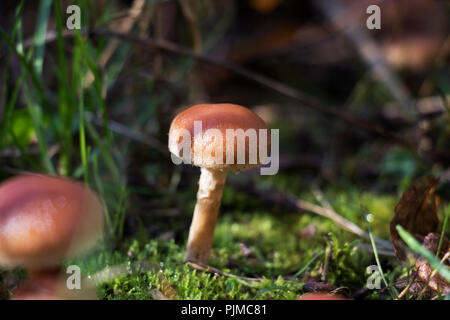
(301, 205)
(304, 98)
(203, 267)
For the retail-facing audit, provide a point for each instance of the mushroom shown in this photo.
(45, 285)
(44, 220)
(321, 296)
(216, 154)
(50, 284)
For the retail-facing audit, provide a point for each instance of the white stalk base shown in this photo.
(201, 233)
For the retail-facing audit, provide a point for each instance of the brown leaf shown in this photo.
(318, 287)
(424, 270)
(431, 242)
(436, 282)
(321, 296)
(416, 212)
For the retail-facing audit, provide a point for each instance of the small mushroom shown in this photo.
(50, 284)
(321, 296)
(44, 220)
(216, 120)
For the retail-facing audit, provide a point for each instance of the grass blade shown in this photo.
(306, 266)
(392, 291)
(444, 228)
(39, 35)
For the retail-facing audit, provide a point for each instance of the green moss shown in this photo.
(277, 252)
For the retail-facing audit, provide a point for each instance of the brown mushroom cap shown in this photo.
(321, 296)
(41, 286)
(50, 284)
(45, 219)
(221, 117)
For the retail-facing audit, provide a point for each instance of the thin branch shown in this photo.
(307, 100)
(193, 25)
(433, 105)
(406, 289)
(367, 247)
(344, 19)
(300, 205)
(339, 220)
(135, 135)
(207, 268)
(258, 78)
(125, 26)
(344, 223)
(275, 85)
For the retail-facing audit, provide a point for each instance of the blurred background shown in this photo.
(361, 114)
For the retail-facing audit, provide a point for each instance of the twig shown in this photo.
(258, 78)
(404, 291)
(123, 130)
(125, 26)
(326, 205)
(302, 205)
(381, 252)
(207, 268)
(368, 50)
(425, 106)
(33, 150)
(281, 88)
(275, 85)
(318, 194)
(16, 153)
(193, 25)
(339, 220)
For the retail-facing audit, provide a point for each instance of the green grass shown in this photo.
(59, 119)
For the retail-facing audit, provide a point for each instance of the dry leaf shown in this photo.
(416, 212)
(436, 282)
(321, 296)
(431, 242)
(424, 270)
(318, 287)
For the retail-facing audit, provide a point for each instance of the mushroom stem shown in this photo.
(209, 195)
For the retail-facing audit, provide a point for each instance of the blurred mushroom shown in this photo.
(215, 119)
(40, 286)
(264, 6)
(44, 220)
(321, 296)
(50, 284)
